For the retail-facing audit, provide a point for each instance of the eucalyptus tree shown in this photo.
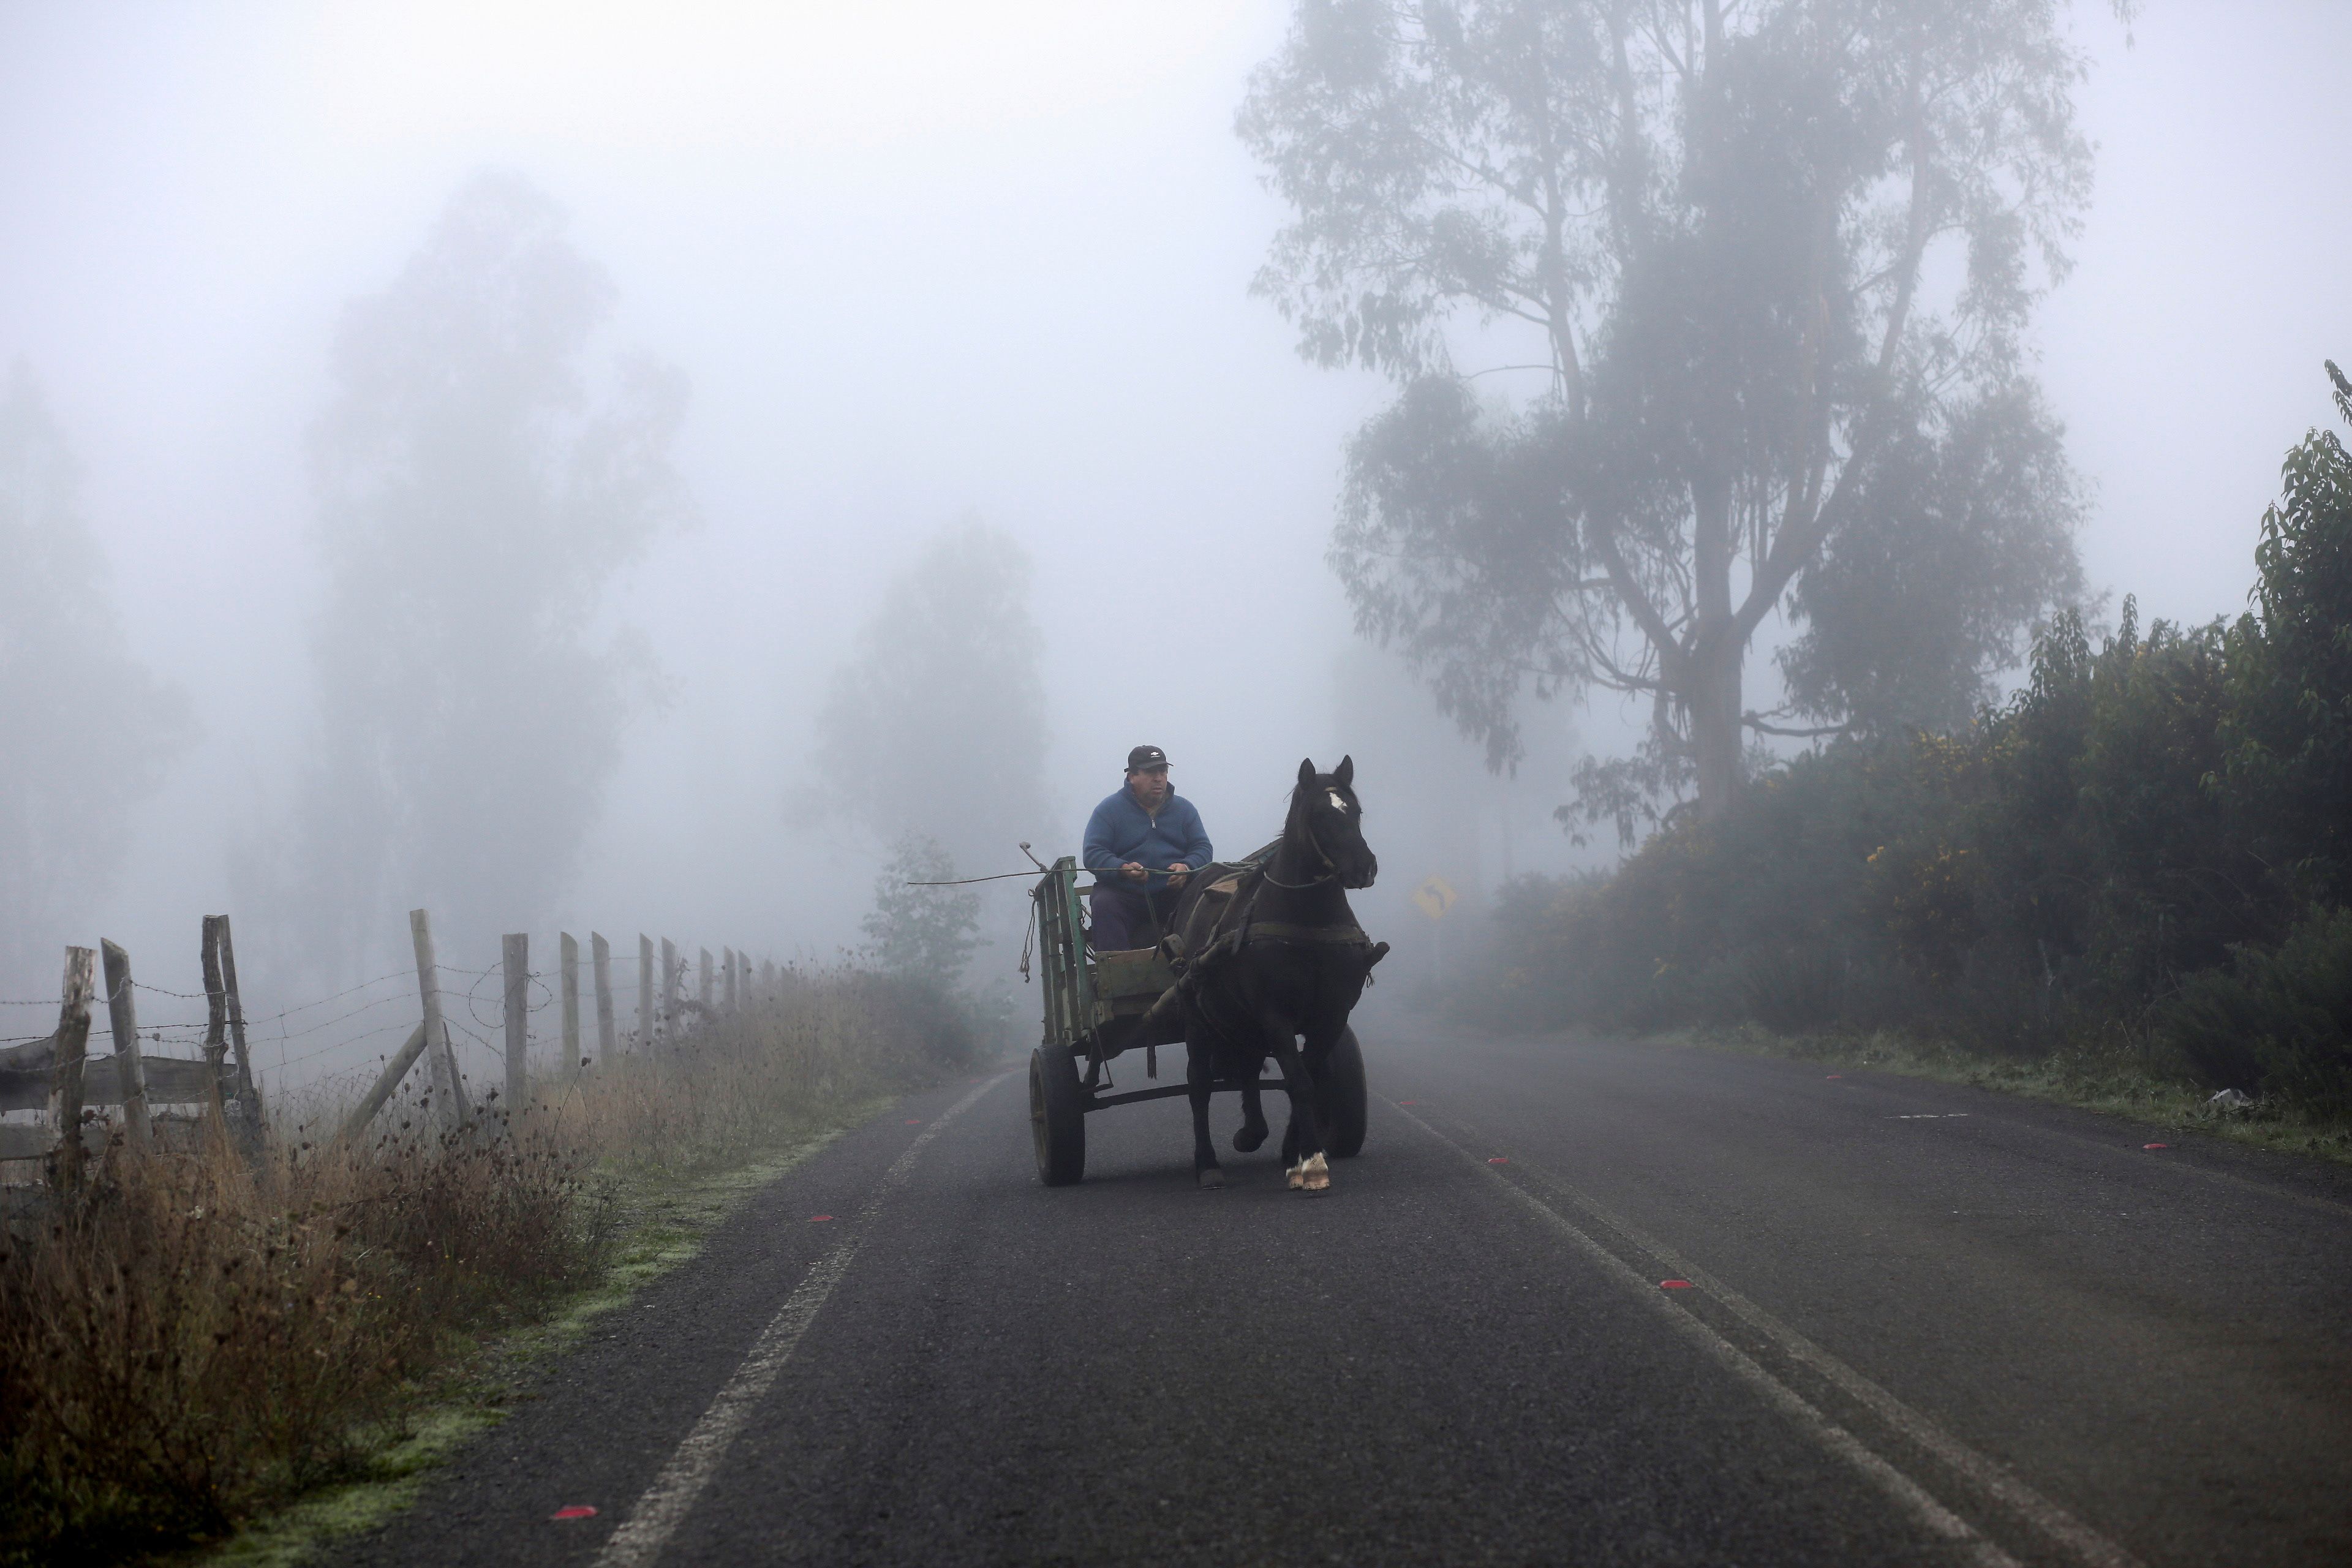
(481, 477)
(936, 723)
(89, 728)
(1771, 264)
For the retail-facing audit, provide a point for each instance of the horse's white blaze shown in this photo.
(1337, 803)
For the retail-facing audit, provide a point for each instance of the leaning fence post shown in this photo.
(730, 983)
(568, 950)
(515, 953)
(215, 1026)
(670, 985)
(248, 1092)
(645, 992)
(446, 1086)
(702, 978)
(386, 1082)
(123, 1017)
(65, 1073)
(600, 958)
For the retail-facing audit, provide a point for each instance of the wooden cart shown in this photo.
(1095, 1005)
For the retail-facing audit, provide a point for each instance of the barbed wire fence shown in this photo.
(229, 1067)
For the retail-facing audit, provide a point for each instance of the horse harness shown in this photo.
(1236, 925)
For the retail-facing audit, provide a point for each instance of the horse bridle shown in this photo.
(1331, 870)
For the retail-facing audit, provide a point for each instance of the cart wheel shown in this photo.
(1057, 1116)
(1342, 1101)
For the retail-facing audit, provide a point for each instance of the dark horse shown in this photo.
(1273, 958)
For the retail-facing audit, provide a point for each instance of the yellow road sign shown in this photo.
(1435, 897)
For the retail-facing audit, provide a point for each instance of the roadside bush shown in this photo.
(2289, 732)
(2150, 842)
(2274, 1022)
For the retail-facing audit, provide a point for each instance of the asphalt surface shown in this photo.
(1921, 1325)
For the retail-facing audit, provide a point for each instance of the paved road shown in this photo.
(1921, 1325)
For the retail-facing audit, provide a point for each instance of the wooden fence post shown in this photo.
(65, 1075)
(671, 981)
(600, 958)
(645, 992)
(447, 1087)
(702, 976)
(731, 981)
(568, 948)
(516, 956)
(248, 1092)
(215, 1027)
(123, 1015)
(386, 1082)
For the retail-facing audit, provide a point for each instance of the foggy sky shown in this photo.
(925, 259)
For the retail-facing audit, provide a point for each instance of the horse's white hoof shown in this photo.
(1314, 1175)
(1297, 1174)
(1212, 1178)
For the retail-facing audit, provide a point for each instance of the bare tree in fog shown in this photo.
(476, 498)
(88, 730)
(1776, 262)
(937, 725)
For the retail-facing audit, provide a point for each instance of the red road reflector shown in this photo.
(1674, 1285)
(914, 1121)
(577, 1510)
(816, 1218)
(2155, 1145)
(1498, 1159)
(1837, 1075)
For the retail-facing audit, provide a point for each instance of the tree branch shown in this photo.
(1761, 728)
(1671, 658)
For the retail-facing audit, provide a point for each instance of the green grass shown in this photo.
(2116, 1083)
(662, 1218)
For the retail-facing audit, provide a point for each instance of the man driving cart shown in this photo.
(1141, 843)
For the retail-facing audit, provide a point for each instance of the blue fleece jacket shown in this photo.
(1120, 830)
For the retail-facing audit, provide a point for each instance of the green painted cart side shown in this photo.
(1061, 957)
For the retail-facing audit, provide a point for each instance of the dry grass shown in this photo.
(729, 1093)
(201, 1337)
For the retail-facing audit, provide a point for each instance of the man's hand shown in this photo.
(1133, 871)
(1177, 872)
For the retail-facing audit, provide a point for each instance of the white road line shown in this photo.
(1988, 1475)
(639, 1540)
(1914, 1499)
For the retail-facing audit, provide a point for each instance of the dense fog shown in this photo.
(627, 469)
